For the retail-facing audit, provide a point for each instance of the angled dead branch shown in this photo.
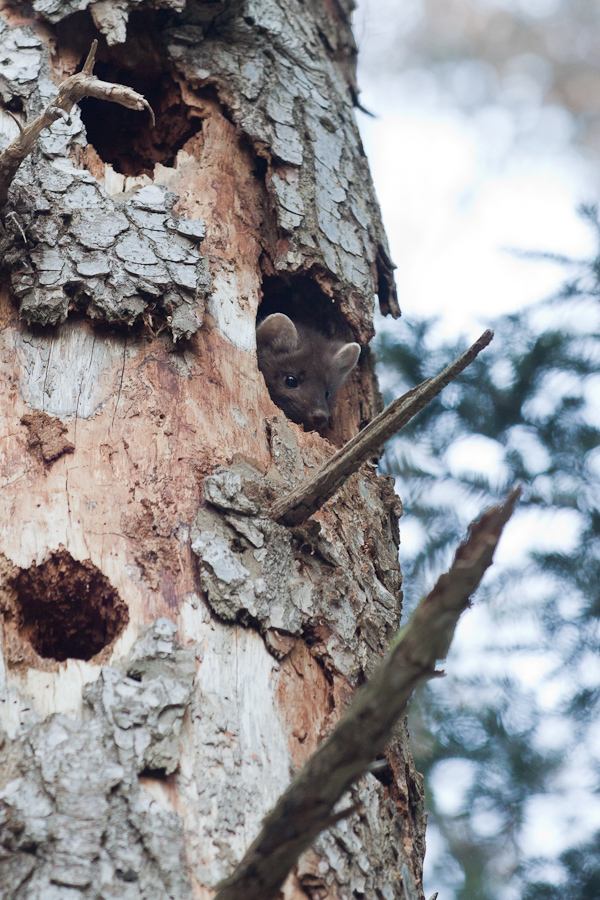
(306, 808)
(308, 497)
(73, 89)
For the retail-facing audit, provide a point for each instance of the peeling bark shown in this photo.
(254, 570)
(46, 436)
(307, 806)
(75, 88)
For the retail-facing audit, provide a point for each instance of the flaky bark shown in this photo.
(74, 89)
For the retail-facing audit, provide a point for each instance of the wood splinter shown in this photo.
(309, 496)
(71, 91)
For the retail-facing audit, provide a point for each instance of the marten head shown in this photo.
(303, 370)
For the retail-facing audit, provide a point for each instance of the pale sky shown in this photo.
(451, 222)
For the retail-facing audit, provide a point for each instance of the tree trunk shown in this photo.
(170, 652)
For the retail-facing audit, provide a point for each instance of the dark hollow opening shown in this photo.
(67, 609)
(158, 774)
(301, 298)
(123, 137)
(14, 105)
(307, 388)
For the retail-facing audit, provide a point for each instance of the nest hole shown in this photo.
(313, 390)
(67, 609)
(15, 106)
(124, 138)
(301, 298)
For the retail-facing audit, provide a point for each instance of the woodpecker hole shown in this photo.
(124, 138)
(301, 298)
(66, 609)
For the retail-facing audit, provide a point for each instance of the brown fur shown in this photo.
(319, 365)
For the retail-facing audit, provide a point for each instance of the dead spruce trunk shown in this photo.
(140, 450)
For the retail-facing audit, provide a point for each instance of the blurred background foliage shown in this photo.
(526, 69)
(490, 747)
(509, 742)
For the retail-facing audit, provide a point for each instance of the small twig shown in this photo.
(307, 805)
(309, 496)
(73, 89)
(15, 120)
(88, 66)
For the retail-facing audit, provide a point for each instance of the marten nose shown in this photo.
(320, 418)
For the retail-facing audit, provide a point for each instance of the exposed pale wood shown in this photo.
(310, 495)
(307, 806)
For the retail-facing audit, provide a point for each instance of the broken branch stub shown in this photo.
(73, 89)
(307, 806)
(310, 495)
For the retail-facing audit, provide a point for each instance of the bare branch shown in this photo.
(310, 495)
(73, 89)
(306, 807)
(88, 66)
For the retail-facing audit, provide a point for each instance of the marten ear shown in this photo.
(279, 330)
(346, 358)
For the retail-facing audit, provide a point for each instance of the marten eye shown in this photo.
(327, 394)
(291, 381)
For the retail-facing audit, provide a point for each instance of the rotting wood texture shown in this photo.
(129, 291)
